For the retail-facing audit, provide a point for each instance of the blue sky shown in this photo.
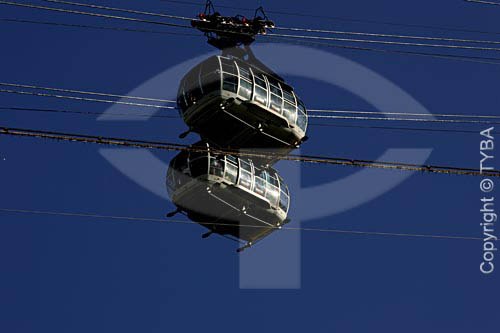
(61, 274)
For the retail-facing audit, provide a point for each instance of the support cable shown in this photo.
(175, 221)
(292, 157)
(17, 85)
(8, 91)
(429, 27)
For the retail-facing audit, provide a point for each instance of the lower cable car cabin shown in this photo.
(234, 104)
(228, 195)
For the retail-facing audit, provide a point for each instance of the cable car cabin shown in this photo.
(228, 195)
(233, 104)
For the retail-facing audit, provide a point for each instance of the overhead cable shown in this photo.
(371, 41)
(131, 19)
(405, 114)
(147, 116)
(282, 28)
(292, 157)
(8, 91)
(17, 85)
(123, 10)
(355, 33)
(91, 113)
(96, 27)
(464, 58)
(176, 221)
(333, 18)
(407, 119)
(282, 39)
(270, 35)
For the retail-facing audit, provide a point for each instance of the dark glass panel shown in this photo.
(217, 166)
(231, 173)
(302, 121)
(230, 83)
(288, 96)
(245, 179)
(246, 89)
(276, 103)
(284, 201)
(210, 82)
(261, 95)
(228, 66)
(198, 166)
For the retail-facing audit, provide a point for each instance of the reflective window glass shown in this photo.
(283, 186)
(272, 194)
(170, 180)
(260, 186)
(210, 82)
(245, 166)
(209, 66)
(301, 106)
(289, 111)
(245, 89)
(228, 66)
(198, 166)
(231, 173)
(245, 74)
(192, 87)
(259, 80)
(284, 201)
(288, 96)
(230, 83)
(302, 121)
(272, 180)
(276, 103)
(181, 100)
(217, 166)
(181, 179)
(275, 89)
(245, 179)
(260, 95)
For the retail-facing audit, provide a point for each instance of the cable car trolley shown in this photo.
(228, 195)
(225, 31)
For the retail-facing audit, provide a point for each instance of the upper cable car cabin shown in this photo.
(233, 104)
(228, 195)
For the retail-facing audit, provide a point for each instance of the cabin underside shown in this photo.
(226, 211)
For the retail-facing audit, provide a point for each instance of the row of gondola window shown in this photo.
(248, 82)
(234, 170)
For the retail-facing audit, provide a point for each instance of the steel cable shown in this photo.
(175, 221)
(7, 91)
(355, 33)
(407, 119)
(147, 116)
(476, 59)
(332, 18)
(292, 157)
(17, 85)
(271, 35)
(90, 113)
(96, 27)
(283, 28)
(123, 10)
